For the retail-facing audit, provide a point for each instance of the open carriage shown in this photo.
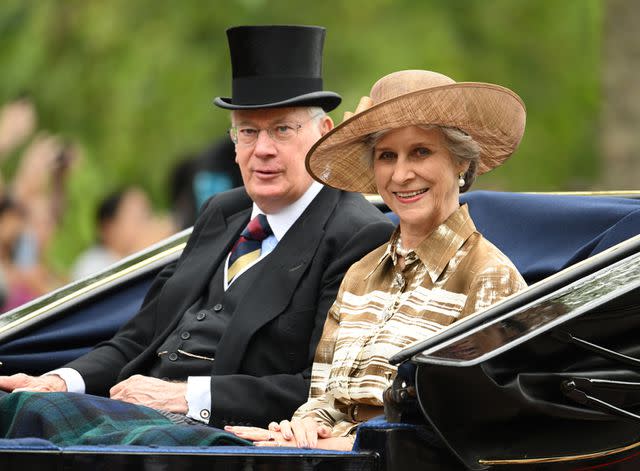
(547, 379)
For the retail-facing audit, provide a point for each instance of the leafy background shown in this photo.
(132, 81)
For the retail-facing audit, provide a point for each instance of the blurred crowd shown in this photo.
(34, 198)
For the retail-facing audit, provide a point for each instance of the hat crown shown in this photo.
(406, 81)
(276, 51)
(277, 66)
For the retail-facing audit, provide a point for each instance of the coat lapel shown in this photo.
(209, 250)
(280, 274)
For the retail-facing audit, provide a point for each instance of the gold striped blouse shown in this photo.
(381, 309)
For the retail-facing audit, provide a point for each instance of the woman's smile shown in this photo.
(410, 196)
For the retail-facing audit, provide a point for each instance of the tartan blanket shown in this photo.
(69, 419)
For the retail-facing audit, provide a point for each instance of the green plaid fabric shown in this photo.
(68, 419)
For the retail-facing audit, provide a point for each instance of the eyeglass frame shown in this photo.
(270, 131)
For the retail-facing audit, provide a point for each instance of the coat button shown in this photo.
(217, 307)
(201, 315)
(185, 335)
(173, 356)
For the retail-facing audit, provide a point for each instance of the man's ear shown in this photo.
(326, 125)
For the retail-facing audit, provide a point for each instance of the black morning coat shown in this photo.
(263, 363)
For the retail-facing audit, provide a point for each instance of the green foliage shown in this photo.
(133, 81)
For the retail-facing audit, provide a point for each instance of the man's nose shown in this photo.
(264, 144)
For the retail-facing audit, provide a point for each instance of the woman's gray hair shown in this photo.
(460, 145)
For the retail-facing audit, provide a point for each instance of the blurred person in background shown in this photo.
(194, 179)
(125, 224)
(17, 287)
(18, 120)
(38, 190)
(4, 289)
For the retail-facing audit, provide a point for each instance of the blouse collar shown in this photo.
(439, 247)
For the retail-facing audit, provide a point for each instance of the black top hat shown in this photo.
(277, 66)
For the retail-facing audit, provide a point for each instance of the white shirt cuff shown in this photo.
(74, 380)
(199, 398)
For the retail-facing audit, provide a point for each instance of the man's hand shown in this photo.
(22, 382)
(152, 392)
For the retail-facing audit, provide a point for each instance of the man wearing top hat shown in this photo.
(227, 334)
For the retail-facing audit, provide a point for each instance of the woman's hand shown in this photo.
(305, 432)
(260, 436)
(300, 433)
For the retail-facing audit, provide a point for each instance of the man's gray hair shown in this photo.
(315, 112)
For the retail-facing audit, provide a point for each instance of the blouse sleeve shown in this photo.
(319, 405)
(492, 284)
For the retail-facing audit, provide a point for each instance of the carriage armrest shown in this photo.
(404, 446)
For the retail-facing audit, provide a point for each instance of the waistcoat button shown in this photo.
(185, 335)
(201, 315)
(217, 307)
(173, 356)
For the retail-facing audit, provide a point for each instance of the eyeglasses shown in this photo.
(280, 132)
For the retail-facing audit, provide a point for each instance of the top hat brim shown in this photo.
(492, 115)
(326, 100)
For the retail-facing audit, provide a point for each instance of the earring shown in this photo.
(461, 181)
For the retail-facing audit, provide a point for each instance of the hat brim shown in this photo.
(326, 100)
(492, 115)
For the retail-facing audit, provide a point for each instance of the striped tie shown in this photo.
(247, 249)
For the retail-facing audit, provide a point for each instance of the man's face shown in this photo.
(273, 171)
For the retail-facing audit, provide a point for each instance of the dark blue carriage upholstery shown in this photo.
(69, 336)
(542, 234)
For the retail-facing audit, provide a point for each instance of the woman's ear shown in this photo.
(463, 167)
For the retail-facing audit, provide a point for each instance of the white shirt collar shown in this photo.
(282, 221)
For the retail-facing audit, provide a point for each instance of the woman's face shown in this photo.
(417, 178)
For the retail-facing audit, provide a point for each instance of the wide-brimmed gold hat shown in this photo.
(492, 115)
